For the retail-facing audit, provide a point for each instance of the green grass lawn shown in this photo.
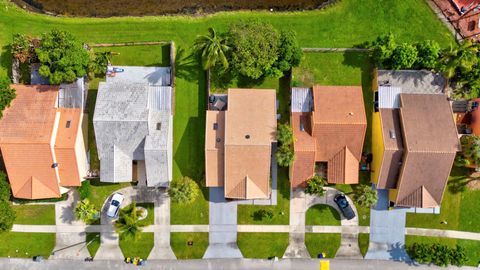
(94, 243)
(363, 241)
(150, 219)
(179, 243)
(472, 247)
(27, 244)
(246, 213)
(159, 55)
(101, 191)
(262, 245)
(35, 214)
(459, 207)
(137, 248)
(322, 242)
(322, 214)
(363, 212)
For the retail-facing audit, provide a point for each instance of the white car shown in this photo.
(114, 206)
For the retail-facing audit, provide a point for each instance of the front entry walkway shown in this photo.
(299, 204)
(387, 231)
(223, 227)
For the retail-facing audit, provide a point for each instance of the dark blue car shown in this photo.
(344, 206)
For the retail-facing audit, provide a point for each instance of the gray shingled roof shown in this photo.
(133, 121)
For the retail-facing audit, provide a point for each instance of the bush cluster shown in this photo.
(285, 154)
(8, 214)
(438, 254)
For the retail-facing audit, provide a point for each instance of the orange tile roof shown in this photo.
(250, 128)
(214, 148)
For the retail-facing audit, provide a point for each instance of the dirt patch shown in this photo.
(109, 8)
(474, 184)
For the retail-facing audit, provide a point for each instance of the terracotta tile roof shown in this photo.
(343, 168)
(303, 167)
(431, 142)
(250, 127)
(214, 148)
(31, 115)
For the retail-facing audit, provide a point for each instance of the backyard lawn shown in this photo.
(137, 248)
(322, 214)
(472, 248)
(181, 248)
(262, 245)
(27, 244)
(459, 208)
(363, 241)
(41, 214)
(322, 242)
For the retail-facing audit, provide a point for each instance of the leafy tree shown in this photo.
(382, 49)
(7, 94)
(254, 48)
(22, 47)
(470, 151)
(62, 57)
(5, 192)
(285, 134)
(428, 54)
(85, 211)
(128, 224)
(285, 155)
(365, 196)
(7, 217)
(315, 185)
(212, 49)
(85, 190)
(460, 58)
(184, 191)
(289, 54)
(404, 56)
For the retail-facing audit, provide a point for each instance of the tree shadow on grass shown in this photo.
(459, 178)
(187, 65)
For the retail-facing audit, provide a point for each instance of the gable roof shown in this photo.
(215, 148)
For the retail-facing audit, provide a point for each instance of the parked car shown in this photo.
(114, 206)
(344, 206)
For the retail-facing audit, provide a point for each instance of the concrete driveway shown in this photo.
(387, 231)
(223, 226)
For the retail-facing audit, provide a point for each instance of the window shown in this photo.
(68, 124)
(159, 126)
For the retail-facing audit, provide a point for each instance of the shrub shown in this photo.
(184, 191)
(85, 190)
(262, 213)
(315, 185)
(365, 196)
(22, 48)
(284, 134)
(404, 56)
(5, 192)
(428, 54)
(285, 155)
(383, 48)
(85, 211)
(438, 254)
(7, 94)
(128, 224)
(7, 217)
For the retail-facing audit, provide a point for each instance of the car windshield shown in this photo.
(115, 203)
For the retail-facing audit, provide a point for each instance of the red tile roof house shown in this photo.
(41, 141)
(329, 126)
(238, 144)
(463, 15)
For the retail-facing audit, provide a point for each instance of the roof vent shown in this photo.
(350, 113)
(68, 124)
(392, 134)
(54, 165)
(218, 140)
(247, 136)
(302, 127)
(159, 126)
(215, 126)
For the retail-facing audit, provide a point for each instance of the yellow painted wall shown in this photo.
(377, 147)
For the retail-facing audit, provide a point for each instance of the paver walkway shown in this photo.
(387, 231)
(299, 204)
(223, 227)
(69, 245)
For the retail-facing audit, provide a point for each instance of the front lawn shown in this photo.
(26, 245)
(322, 214)
(93, 243)
(101, 191)
(246, 213)
(363, 242)
(262, 245)
(39, 214)
(317, 243)
(472, 248)
(137, 248)
(182, 249)
(150, 219)
(363, 212)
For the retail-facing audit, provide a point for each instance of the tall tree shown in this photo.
(289, 54)
(128, 224)
(100, 61)
(212, 49)
(428, 54)
(254, 48)
(7, 94)
(460, 58)
(62, 57)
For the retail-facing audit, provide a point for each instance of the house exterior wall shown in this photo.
(378, 147)
(81, 152)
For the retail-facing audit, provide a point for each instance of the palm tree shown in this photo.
(212, 48)
(365, 196)
(128, 224)
(85, 211)
(463, 57)
(101, 61)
